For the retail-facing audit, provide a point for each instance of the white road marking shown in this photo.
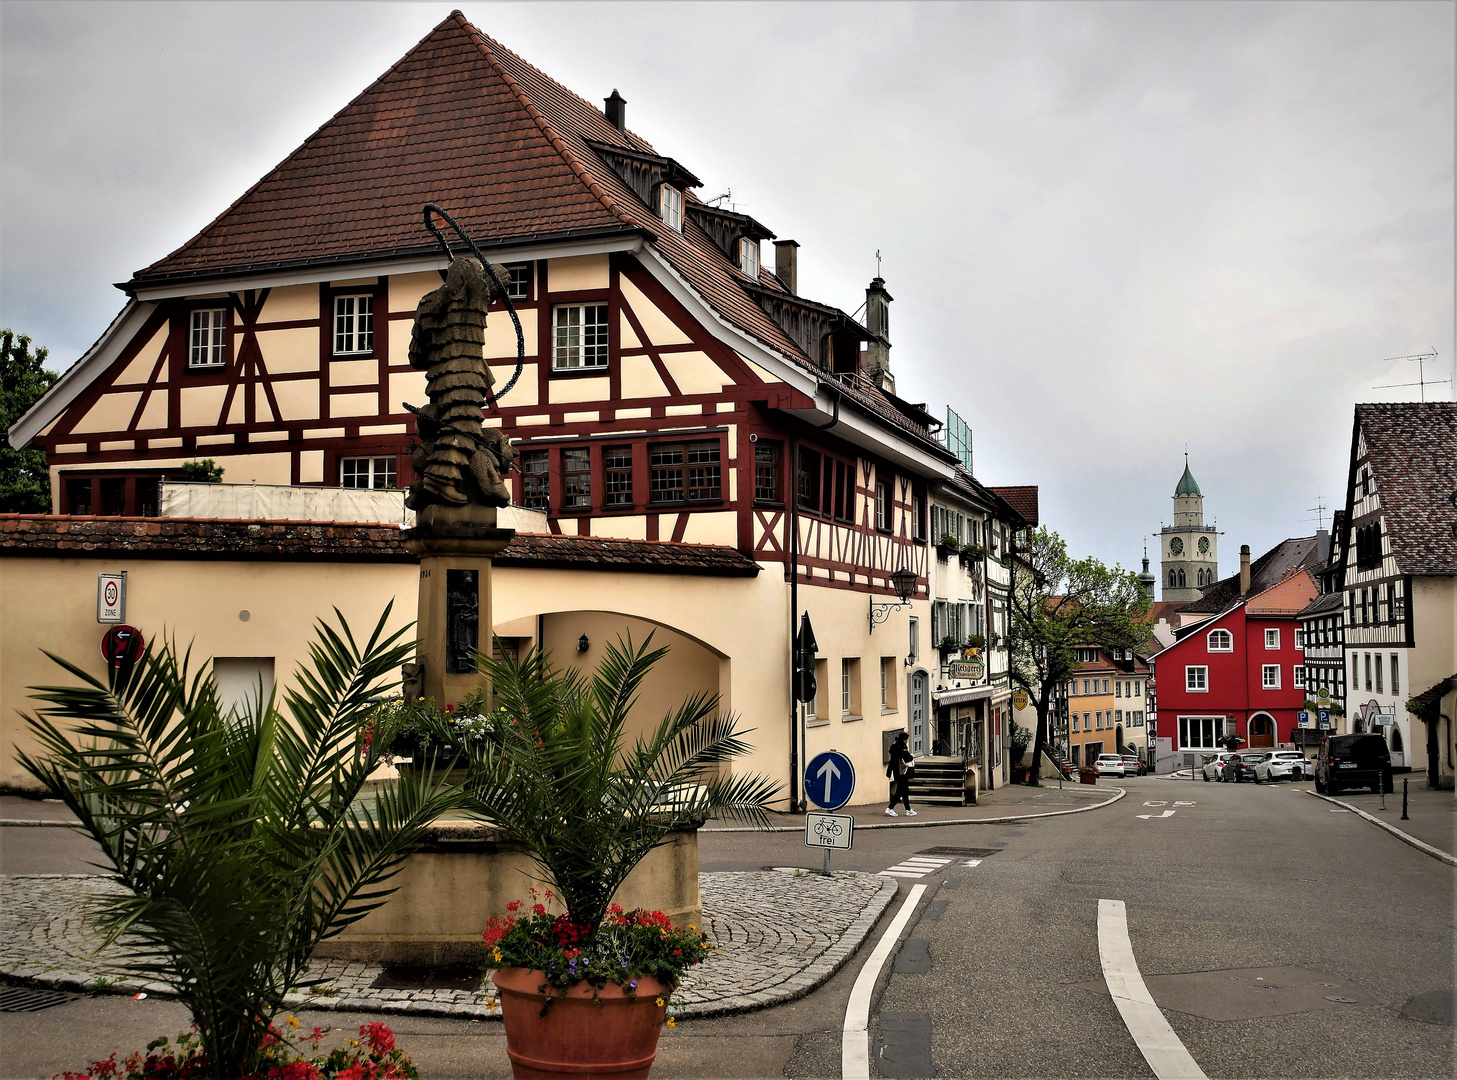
(1156, 817)
(1178, 803)
(855, 1037)
(1160, 1047)
(972, 862)
(1161, 802)
(916, 866)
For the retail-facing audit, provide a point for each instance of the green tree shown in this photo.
(25, 481)
(239, 834)
(1058, 603)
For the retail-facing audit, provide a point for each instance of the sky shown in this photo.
(1113, 232)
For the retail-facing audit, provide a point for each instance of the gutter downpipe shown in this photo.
(797, 733)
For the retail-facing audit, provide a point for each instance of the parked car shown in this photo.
(1352, 761)
(1133, 765)
(1214, 766)
(1282, 765)
(1110, 765)
(1241, 766)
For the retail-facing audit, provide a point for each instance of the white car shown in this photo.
(1284, 765)
(1110, 765)
(1214, 766)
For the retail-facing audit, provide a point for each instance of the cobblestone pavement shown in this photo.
(779, 935)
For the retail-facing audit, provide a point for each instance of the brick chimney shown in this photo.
(1244, 569)
(877, 321)
(786, 264)
(615, 109)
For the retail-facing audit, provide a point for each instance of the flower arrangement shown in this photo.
(372, 1056)
(422, 725)
(625, 946)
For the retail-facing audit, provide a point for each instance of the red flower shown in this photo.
(380, 1038)
(514, 905)
(538, 909)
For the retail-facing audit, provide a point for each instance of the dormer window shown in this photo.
(749, 258)
(670, 207)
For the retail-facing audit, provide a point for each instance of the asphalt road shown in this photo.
(1248, 912)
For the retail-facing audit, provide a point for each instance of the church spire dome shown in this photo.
(1187, 484)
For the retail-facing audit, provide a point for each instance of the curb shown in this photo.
(931, 824)
(791, 988)
(28, 823)
(1406, 838)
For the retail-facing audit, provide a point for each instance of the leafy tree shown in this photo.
(25, 481)
(588, 805)
(1058, 603)
(238, 834)
(206, 471)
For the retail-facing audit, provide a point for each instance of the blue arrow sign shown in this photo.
(829, 780)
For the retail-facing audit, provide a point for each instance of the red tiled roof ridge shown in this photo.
(487, 44)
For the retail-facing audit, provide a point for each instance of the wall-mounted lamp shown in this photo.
(904, 583)
(582, 643)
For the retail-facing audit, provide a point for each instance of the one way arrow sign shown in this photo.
(829, 780)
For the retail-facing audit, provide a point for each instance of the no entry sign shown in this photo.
(121, 643)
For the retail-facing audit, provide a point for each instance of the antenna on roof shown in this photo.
(1421, 359)
(727, 195)
(1318, 510)
(877, 262)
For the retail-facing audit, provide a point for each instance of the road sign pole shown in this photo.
(827, 862)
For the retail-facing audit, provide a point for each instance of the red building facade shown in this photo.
(1239, 672)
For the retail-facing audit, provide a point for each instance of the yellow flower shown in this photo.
(692, 927)
(672, 1023)
(293, 1021)
(659, 1003)
(496, 955)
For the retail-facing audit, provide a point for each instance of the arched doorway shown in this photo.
(1118, 739)
(1262, 731)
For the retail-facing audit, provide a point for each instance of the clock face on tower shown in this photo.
(1176, 545)
(1203, 545)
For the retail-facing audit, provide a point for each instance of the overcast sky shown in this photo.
(1111, 230)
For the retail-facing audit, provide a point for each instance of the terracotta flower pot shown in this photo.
(614, 1037)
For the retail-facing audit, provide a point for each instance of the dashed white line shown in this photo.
(855, 1037)
(916, 866)
(1161, 1048)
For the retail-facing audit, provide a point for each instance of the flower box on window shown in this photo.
(947, 546)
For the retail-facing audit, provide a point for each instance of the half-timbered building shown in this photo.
(1400, 540)
(666, 386)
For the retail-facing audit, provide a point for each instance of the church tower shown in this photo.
(1190, 548)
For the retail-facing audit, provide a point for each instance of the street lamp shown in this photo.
(904, 583)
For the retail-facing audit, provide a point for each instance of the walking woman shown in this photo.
(901, 762)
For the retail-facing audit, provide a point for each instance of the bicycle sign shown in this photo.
(829, 831)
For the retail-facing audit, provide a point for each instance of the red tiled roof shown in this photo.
(1022, 499)
(464, 122)
(188, 538)
(1413, 453)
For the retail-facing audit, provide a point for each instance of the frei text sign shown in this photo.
(111, 598)
(829, 831)
(829, 780)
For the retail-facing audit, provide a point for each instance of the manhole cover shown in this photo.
(407, 977)
(19, 999)
(968, 852)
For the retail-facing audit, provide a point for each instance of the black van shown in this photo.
(1352, 761)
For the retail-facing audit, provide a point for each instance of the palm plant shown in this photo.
(238, 833)
(560, 776)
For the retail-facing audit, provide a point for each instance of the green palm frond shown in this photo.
(240, 834)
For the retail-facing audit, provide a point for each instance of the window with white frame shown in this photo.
(518, 281)
(850, 686)
(1300, 639)
(1221, 641)
(749, 258)
(1272, 639)
(1118, 716)
(882, 505)
(1297, 677)
(1200, 732)
(207, 346)
(1270, 676)
(580, 341)
(353, 324)
(367, 472)
(1395, 674)
(1075, 721)
(1196, 679)
(670, 207)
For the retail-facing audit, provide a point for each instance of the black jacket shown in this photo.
(900, 757)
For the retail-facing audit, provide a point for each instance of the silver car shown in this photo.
(1214, 766)
(1284, 765)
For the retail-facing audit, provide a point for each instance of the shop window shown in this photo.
(617, 475)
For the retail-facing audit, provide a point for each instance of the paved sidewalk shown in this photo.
(1432, 813)
(1009, 802)
(779, 935)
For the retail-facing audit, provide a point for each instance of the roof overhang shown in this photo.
(376, 264)
(128, 322)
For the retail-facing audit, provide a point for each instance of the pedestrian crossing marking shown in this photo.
(915, 867)
(972, 862)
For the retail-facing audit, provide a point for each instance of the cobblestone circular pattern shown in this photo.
(779, 935)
